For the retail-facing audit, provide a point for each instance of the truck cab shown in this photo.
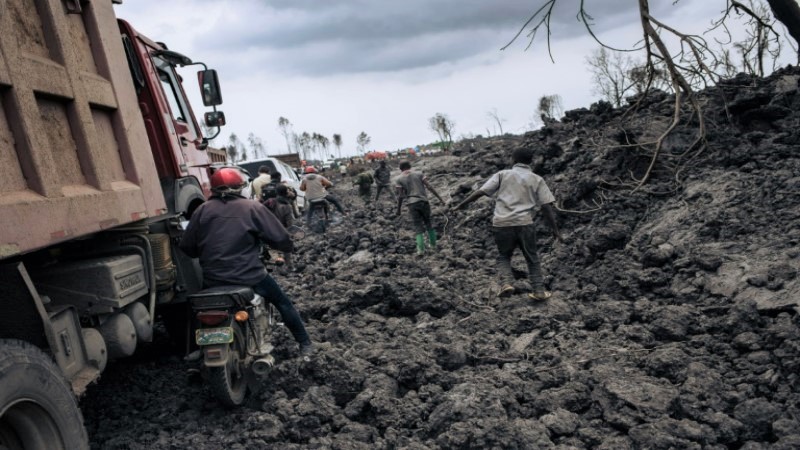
(176, 140)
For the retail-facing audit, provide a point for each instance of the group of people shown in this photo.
(381, 177)
(226, 232)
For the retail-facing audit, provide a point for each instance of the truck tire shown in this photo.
(37, 407)
(228, 383)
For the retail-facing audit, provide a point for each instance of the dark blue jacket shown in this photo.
(225, 233)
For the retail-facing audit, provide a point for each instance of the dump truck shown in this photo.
(291, 159)
(102, 160)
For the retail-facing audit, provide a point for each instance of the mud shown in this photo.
(673, 322)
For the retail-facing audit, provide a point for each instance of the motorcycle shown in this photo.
(319, 215)
(233, 331)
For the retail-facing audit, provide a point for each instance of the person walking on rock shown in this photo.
(291, 194)
(414, 187)
(316, 186)
(383, 178)
(518, 192)
(364, 182)
(281, 207)
(260, 181)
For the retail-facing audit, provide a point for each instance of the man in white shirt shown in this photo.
(518, 192)
(261, 180)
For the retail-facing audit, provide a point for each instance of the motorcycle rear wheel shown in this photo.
(227, 382)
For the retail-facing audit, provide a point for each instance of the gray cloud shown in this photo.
(316, 37)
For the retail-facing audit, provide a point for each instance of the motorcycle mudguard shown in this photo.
(215, 355)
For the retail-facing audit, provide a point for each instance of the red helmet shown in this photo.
(227, 180)
(311, 169)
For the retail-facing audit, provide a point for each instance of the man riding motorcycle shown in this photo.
(226, 232)
(316, 187)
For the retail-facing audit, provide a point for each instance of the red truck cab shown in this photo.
(176, 140)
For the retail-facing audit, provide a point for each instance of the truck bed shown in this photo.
(72, 140)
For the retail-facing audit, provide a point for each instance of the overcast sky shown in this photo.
(384, 67)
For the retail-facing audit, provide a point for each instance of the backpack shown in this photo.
(268, 191)
(271, 203)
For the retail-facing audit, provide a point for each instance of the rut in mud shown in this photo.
(673, 322)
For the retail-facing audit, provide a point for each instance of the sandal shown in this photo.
(507, 289)
(540, 295)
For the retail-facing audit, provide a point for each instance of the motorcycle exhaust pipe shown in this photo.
(262, 366)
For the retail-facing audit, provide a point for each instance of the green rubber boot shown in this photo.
(432, 238)
(420, 243)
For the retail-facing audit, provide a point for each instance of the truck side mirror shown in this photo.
(214, 119)
(209, 87)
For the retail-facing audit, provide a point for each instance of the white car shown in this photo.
(288, 175)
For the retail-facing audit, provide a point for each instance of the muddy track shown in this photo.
(673, 322)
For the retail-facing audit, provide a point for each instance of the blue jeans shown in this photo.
(509, 239)
(273, 293)
(335, 202)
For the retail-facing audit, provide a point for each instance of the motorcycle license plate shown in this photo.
(212, 336)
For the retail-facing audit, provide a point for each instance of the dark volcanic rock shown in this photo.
(673, 322)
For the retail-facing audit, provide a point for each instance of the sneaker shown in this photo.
(506, 290)
(543, 295)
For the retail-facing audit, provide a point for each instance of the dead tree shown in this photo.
(443, 127)
(688, 67)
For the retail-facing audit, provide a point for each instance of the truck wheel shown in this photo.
(37, 407)
(228, 382)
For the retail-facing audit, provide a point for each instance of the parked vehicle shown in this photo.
(103, 158)
(288, 175)
(328, 163)
(290, 159)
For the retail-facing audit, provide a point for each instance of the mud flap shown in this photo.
(216, 355)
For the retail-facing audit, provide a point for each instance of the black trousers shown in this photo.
(420, 216)
(521, 237)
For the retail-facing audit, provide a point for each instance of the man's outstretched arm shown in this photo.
(474, 196)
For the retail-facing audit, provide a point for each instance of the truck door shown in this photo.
(175, 139)
(179, 119)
